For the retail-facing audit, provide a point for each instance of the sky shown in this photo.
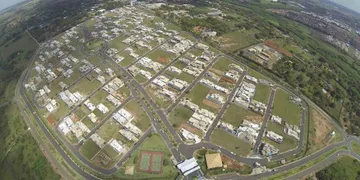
(7, 3)
(351, 4)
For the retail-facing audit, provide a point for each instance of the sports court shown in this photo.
(151, 161)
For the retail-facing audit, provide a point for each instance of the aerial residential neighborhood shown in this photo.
(186, 90)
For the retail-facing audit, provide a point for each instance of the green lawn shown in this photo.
(89, 149)
(85, 87)
(197, 94)
(262, 93)
(140, 78)
(222, 64)
(235, 115)
(237, 40)
(108, 130)
(356, 147)
(152, 143)
(287, 110)
(185, 77)
(180, 115)
(158, 54)
(141, 120)
(230, 142)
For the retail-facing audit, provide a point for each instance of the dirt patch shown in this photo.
(275, 46)
(226, 79)
(255, 119)
(323, 128)
(129, 170)
(191, 129)
(51, 120)
(74, 117)
(211, 104)
(163, 60)
(231, 164)
(197, 29)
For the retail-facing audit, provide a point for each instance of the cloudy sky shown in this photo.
(351, 4)
(6, 3)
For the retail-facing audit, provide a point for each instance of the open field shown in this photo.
(320, 131)
(161, 56)
(222, 64)
(356, 147)
(197, 95)
(287, 110)
(262, 93)
(89, 149)
(235, 115)
(152, 143)
(230, 142)
(179, 116)
(141, 120)
(237, 40)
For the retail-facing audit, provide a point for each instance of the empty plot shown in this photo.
(287, 110)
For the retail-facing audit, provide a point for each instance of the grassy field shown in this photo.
(222, 64)
(235, 115)
(140, 78)
(197, 94)
(108, 130)
(185, 77)
(237, 40)
(180, 115)
(230, 142)
(356, 147)
(286, 109)
(152, 143)
(262, 93)
(141, 120)
(21, 158)
(89, 149)
(288, 142)
(161, 101)
(161, 54)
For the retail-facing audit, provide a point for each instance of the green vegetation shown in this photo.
(185, 77)
(94, 45)
(141, 120)
(161, 56)
(287, 110)
(236, 40)
(21, 158)
(222, 64)
(307, 165)
(89, 149)
(235, 115)
(262, 93)
(355, 147)
(179, 116)
(152, 143)
(197, 95)
(344, 168)
(230, 142)
(140, 78)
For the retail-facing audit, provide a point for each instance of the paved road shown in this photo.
(196, 80)
(109, 116)
(168, 65)
(224, 107)
(264, 123)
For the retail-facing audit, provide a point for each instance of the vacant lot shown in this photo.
(262, 93)
(222, 64)
(235, 115)
(287, 110)
(320, 130)
(197, 94)
(237, 40)
(89, 149)
(141, 120)
(230, 142)
(180, 115)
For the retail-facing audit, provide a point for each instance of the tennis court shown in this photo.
(151, 161)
